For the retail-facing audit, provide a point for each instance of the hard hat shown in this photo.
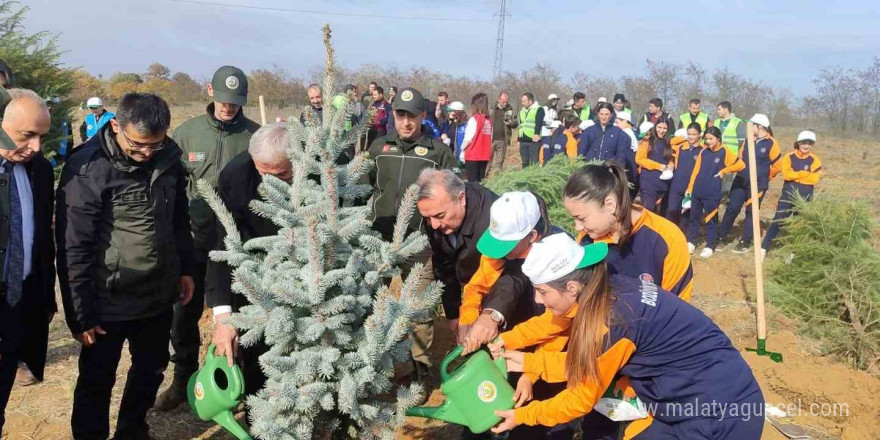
(456, 106)
(761, 119)
(806, 135)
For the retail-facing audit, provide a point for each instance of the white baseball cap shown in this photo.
(806, 135)
(603, 99)
(569, 103)
(586, 124)
(681, 132)
(94, 102)
(625, 116)
(552, 96)
(511, 218)
(645, 127)
(558, 255)
(456, 106)
(761, 119)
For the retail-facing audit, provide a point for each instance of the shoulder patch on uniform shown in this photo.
(421, 151)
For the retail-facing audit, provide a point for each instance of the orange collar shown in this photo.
(636, 225)
(798, 154)
(570, 314)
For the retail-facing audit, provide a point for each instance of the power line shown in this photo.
(499, 40)
(340, 14)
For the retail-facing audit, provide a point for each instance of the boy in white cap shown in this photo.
(97, 117)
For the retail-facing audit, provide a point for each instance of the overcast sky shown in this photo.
(780, 43)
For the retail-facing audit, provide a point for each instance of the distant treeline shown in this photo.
(843, 100)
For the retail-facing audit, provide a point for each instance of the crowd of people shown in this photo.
(129, 236)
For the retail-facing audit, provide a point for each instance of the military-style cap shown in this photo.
(230, 85)
(410, 100)
(6, 142)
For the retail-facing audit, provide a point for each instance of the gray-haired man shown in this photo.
(237, 186)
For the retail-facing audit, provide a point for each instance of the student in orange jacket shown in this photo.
(643, 245)
(562, 140)
(801, 171)
(766, 155)
(686, 147)
(713, 163)
(516, 220)
(675, 356)
(655, 159)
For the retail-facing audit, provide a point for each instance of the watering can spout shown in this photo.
(227, 420)
(445, 412)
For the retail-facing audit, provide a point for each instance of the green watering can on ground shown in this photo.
(474, 391)
(215, 390)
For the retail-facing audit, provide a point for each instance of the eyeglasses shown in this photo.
(143, 147)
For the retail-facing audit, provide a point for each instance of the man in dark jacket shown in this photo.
(398, 159)
(316, 104)
(656, 114)
(238, 184)
(208, 143)
(456, 216)
(27, 272)
(125, 256)
(503, 123)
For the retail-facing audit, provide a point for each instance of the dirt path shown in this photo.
(724, 290)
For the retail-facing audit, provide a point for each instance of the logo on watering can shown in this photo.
(487, 391)
(199, 391)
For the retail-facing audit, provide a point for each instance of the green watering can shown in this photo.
(215, 390)
(474, 391)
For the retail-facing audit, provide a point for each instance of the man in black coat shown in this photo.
(125, 257)
(27, 292)
(237, 187)
(455, 216)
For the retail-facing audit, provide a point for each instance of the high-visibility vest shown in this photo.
(584, 113)
(728, 136)
(527, 121)
(702, 119)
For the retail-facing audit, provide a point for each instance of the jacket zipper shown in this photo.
(400, 177)
(219, 159)
(602, 143)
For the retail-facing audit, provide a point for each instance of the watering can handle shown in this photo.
(444, 373)
(210, 354)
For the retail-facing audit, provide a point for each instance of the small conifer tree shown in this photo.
(318, 290)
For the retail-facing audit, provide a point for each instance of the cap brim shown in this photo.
(593, 253)
(229, 98)
(493, 247)
(6, 142)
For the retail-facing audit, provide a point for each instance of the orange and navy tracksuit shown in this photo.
(656, 251)
(559, 142)
(677, 361)
(685, 158)
(650, 160)
(705, 190)
(766, 155)
(801, 173)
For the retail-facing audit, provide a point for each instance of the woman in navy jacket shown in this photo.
(604, 141)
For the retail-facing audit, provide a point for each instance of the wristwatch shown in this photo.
(496, 316)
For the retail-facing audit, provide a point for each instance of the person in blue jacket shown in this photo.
(96, 118)
(604, 141)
